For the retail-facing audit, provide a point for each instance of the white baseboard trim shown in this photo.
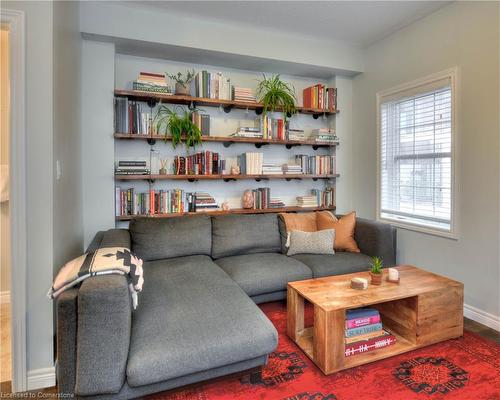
(475, 314)
(41, 378)
(5, 297)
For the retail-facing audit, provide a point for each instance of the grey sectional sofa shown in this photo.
(197, 317)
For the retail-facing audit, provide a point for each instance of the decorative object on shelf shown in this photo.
(178, 126)
(393, 275)
(376, 270)
(225, 206)
(235, 170)
(182, 83)
(276, 95)
(247, 199)
(163, 166)
(359, 283)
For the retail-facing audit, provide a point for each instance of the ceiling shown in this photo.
(358, 23)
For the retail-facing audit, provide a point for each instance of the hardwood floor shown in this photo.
(479, 329)
(5, 344)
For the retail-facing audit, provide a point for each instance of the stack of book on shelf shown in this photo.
(325, 198)
(364, 332)
(201, 163)
(130, 202)
(243, 94)
(132, 167)
(248, 132)
(324, 135)
(250, 163)
(271, 169)
(276, 203)
(202, 202)
(261, 198)
(212, 85)
(307, 201)
(291, 169)
(316, 165)
(132, 117)
(295, 134)
(150, 82)
(202, 121)
(271, 128)
(320, 97)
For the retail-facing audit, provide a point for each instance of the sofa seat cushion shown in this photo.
(264, 272)
(338, 264)
(193, 317)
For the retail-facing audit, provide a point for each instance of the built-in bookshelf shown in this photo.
(152, 179)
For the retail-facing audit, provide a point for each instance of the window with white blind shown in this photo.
(416, 157)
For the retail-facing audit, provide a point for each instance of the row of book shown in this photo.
(212, 85)
(320, 97)
(131, 202)
(132, 117)
(271, 128)
(250, 163)
(324, 135)
(202, 121)
(201, 163)
(151, 82)
(324, 198)
(316, 165)
(364, 332)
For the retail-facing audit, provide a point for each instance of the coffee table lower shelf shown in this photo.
(305, 341)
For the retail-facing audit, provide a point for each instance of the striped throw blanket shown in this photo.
(104, 261)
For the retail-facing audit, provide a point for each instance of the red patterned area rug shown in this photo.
(464, 368)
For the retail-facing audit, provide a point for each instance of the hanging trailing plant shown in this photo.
(276, 95)
(177, 125)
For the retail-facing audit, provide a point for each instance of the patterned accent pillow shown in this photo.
(320, 242)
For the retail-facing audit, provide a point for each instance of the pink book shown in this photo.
(362, 321)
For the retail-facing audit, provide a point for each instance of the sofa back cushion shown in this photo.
(159, 238)
(234, 235)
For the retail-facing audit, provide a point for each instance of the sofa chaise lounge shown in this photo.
(197, 317)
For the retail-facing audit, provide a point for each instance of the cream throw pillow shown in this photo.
(319, 242)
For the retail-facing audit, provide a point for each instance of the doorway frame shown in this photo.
(15, 20)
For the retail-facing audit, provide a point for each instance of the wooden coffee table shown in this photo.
(424, 308)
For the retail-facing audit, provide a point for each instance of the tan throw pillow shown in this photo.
(305, 222)
(344, 229)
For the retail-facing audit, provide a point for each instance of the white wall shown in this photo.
(4, 160)
(463, 34)
(39, 128)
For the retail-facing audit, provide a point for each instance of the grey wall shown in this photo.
(463, 34)
(39, 151)
(68, 230)
(97, 151)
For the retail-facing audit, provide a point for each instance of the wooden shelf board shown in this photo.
(232, 139)
(221, 177)
(224, 212)
(306, 339)
(181, 99)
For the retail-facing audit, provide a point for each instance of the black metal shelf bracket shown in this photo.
(192, 180)
(151, 142)
(227, 144)
(229, 179)
(259, 111)
(152, 102)
(228, 108)
(290, 145)
(259, 145)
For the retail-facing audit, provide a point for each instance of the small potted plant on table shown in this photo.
(376, 271)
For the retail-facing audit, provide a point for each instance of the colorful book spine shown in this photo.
(368, 345)
(363, 330)
(362, 321)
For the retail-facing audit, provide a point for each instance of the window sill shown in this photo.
(418, 228)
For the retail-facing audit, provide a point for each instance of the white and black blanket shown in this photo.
(104, 261)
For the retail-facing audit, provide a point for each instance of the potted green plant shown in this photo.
(376, 270)
(182, 82)
(178, 125)
(276, 95)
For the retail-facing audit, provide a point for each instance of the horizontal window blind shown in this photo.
(416, 156)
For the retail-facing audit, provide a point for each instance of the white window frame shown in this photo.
(452, 74)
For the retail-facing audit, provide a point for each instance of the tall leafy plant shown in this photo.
(276, 95)
(178, 125)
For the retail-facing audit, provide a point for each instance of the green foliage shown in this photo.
(275, 94)
(376, 265)
(180, 79)
(177, 125)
